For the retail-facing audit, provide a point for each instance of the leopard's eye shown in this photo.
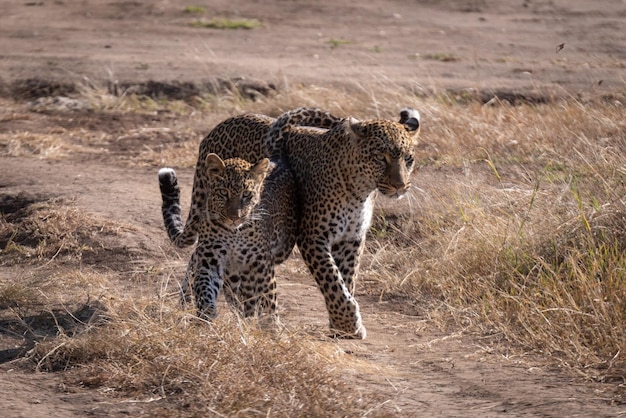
(408, 161)
(381, 158)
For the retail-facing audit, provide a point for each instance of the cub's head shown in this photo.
(235, 188)
(387, 150)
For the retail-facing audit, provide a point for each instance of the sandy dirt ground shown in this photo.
(527, 46)
(428, 44)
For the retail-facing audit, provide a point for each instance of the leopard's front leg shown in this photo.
(347, 256)
(253, 288)
(343, 309)
(265, 295)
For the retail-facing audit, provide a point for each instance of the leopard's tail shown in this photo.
(172, 214)
(303, 116)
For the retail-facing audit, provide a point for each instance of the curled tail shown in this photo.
(172, 214)
(303, 116)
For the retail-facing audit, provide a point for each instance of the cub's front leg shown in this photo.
(207, 281)
(185, 285)
(251, 286)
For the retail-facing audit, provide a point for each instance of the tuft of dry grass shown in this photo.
(40, 231)
(46, 146)
(226, 23)
(225, 367)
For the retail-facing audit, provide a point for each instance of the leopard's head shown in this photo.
(235, 188)
(387, 150)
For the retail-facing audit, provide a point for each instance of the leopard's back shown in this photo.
(245, 136)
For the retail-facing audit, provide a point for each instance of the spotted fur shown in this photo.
(247, 225)
(246, 137)
(337, 173)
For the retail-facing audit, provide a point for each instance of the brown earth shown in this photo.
(426, 45)
(511, 47)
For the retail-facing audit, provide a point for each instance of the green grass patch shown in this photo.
(194, 9)
(336, 43)
(226, 24)
(442, 56)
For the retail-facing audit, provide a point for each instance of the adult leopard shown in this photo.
(248, 225)
(338, 172)
(247, 137)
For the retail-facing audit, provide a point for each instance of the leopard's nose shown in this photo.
(234, 217)
(403, 188)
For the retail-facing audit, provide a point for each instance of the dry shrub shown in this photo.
(184, 154)
(55, 240)
(518, 228)
(55, 284)
(378, 99)
(38, 230)
(52, 145)
(225, 367)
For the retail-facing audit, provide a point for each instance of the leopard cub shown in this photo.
(248, 224)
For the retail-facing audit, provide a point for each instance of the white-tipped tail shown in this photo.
(166, 170)
(408, 113)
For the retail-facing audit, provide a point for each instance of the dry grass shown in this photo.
(226, 367)
(516, 228)
(43, 145)
(40, 231)
(519, 229)
(136, 343)
(226, 23)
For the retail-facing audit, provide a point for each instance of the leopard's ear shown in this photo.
(214, 165)
(261, 169)
(410, 118)
(352, 127)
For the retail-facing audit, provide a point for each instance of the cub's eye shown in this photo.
(247, 195)
(223, 193)
(408, 161)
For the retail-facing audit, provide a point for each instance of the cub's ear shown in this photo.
(261, 169)
(214, 165)
(410, 118)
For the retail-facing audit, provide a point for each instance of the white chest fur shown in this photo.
(353, 223)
